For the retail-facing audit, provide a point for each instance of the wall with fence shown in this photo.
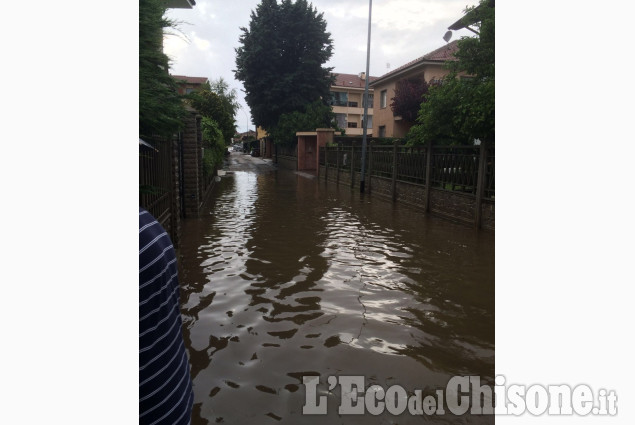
(286, 156)
(159, 182)
(172, 181)
(456, 182)
(196, 184)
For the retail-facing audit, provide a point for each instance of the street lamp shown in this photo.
(362, 180)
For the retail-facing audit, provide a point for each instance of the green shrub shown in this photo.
(213, 145)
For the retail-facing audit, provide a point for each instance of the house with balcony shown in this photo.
(430, 67)
(347, 93)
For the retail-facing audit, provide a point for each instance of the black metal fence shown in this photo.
(156, 180)
(455, 168)
(452, 168)
(287, 150)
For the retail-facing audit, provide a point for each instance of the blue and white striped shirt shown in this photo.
(165, 387)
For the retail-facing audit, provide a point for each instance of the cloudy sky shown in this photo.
(402, 30)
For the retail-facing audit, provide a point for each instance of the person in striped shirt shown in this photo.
(165, 386)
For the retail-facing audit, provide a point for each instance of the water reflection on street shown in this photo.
(284, 276)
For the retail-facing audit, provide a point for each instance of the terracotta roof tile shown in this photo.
(190, 80)
(442, 54)
(351, 80)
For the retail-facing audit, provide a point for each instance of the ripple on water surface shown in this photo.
(284, 277)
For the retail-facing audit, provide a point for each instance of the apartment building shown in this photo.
(347, 93)
(430, 67)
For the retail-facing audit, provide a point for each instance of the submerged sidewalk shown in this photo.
(238, 161)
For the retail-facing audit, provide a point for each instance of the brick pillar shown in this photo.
(175, 201)
(191, 166)
(201, 178)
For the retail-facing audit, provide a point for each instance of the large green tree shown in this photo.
(314, 115)
(280, 59)
(219, 104)
(160, 107)
(462, 109)
(227, 95)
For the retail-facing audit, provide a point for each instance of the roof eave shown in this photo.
(471, 17)
(415, 65)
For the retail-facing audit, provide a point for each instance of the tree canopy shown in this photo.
(219, 104)
(461, 109)
(228, 97)
(160, 107)
(408, 97)
(314, 115)
(280, 59)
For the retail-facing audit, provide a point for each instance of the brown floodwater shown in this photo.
(284, 276)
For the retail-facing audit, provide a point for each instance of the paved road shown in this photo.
(239, 161)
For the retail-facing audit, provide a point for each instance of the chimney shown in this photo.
(362, 76)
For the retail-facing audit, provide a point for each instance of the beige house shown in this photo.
(430, 67)
(346, 100)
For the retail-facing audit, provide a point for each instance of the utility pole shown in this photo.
(362, 180)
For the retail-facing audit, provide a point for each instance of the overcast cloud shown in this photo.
(402, 30)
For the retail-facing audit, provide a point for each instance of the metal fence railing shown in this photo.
(452, 168)
(155, 180)
(411, 164)
(455, 168)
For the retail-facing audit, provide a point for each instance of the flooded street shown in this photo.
(284, 276)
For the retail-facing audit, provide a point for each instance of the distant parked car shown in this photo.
(255, 152)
